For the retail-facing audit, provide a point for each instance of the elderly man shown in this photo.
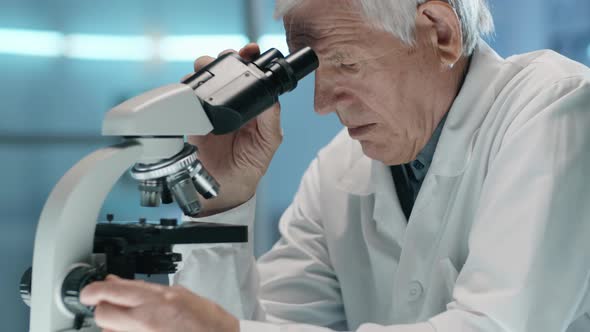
(457, 199)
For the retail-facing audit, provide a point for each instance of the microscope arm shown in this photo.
(70, 215)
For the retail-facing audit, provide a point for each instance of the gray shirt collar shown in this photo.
(420, 166)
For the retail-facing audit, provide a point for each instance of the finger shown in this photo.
(269, 123)
(202, 62)
(250, 51)
(120, 292)
(141, 284)
(112, 317)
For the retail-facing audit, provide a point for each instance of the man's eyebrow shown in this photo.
(306, 31)
(339, 56)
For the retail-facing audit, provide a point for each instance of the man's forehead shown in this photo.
(305, 6)
(322, 19)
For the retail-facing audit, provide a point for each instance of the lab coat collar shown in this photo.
(468, 111)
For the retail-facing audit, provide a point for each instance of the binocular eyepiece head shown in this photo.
(234, 91)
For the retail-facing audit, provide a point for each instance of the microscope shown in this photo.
(72, 250)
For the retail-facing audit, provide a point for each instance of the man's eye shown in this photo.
(353, 66)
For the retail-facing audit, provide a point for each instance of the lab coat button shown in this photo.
(418, 165)
(415, 291)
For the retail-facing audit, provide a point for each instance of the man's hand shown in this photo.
(238, 160)
(129, 305)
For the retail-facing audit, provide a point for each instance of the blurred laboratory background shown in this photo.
(64, 63)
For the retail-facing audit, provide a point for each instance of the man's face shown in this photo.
(379, 87)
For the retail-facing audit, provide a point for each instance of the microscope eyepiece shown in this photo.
(284, 73)
(303, 62)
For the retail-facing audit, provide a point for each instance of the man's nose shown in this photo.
(323, 94)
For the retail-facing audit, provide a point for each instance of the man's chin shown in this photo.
(381, 153)
(372, 150)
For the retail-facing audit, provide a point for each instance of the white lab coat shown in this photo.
(498, 240)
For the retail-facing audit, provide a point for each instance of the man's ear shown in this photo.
(439, 21)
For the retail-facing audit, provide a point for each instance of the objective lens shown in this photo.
(180, 178)
(183, 189)
(151, 193)
(204, 182)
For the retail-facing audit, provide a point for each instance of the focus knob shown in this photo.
(25, 286)
(78, 278)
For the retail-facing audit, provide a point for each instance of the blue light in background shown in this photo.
(188, 48)
(29, 42)
(115, 47)
(109, 47)
(277, 41)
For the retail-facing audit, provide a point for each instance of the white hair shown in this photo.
(399, 17)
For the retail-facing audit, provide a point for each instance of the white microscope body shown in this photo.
(153, 126)
(65, 232)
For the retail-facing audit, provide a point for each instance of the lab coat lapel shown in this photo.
(387, 212)
(371, 182)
